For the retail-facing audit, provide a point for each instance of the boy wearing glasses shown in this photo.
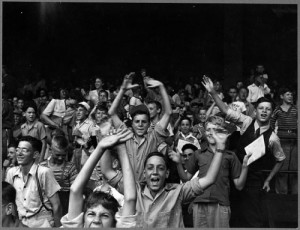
(34, 211)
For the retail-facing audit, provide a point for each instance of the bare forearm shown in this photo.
(57, 214)
(241, 181)
(182, 174)
(116, 102)
(44, 146)
(274, 171)
(222, 106)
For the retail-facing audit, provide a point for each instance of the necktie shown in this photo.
(257, 132)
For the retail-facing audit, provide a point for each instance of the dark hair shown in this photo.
(102, 107)
(243, 87)
(35, 143)
(284, 90)
(103, 91)
(101, 198)
(157, 103)
(263, 99)
(8, 193)
(232, 87)
(57, 132)
(30, 104)
(158, 154)
(61, 141)
(186, 118)
(216, 120)
(189, 146)
(76, 95)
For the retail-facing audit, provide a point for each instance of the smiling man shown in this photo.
(251, 205)
(32, 211)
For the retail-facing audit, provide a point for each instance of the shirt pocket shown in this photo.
(162, 220)
(33, 199)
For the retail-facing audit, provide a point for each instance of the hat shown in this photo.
(139, 109)
(85, 105)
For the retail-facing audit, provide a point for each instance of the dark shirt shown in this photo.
(230, 169)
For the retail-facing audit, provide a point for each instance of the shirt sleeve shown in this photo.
(160, 134)
(50, 108)
(48, 182)
(125, 221)
(274, 118)
(73, 173)
(275, 146)
(77, 222)
(239, 119)
(191, 189)
(42, 131)
(236, 167)
(9, 175)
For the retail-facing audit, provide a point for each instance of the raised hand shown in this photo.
(208, 84)
(245, 160)
(119, 137)
(127, 82)
(220, 135)
(151, 83)
(175, 156)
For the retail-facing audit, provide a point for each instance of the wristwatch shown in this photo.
(221, 150)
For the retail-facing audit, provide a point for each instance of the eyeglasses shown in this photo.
(23, 150)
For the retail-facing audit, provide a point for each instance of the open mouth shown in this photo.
(263, 115)
(154, 180)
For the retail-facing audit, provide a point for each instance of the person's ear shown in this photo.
(167, 173)
(36, 154)
(115, 164)
(281, 97)
(9, 209)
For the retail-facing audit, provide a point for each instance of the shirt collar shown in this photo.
(168, 187)
(33, 125)
(187, 136)
(262, 128)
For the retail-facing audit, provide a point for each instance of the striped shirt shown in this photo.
(287, 120)
(65, 175)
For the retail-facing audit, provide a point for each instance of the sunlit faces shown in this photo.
(58, 154)
(186, 155)
(243, 94)
(287, 97)
(103, 96)
(217, 85)
(20, 104)
(81, 113)
(140, 124)
(71, 102)
(210, 127)
(153, 110)
(155, 173)
(12, 154)
(263, 112)
(25, 153)
(202, 115)
(100, 114)
(232, 93)
(98, 83)
(17, 119)
(98, 217)
(63, 94)
(30, 114)
(185, 126)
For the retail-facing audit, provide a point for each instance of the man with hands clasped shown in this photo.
(251, 204)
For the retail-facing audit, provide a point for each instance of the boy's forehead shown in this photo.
(155, 160)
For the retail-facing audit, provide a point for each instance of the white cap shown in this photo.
(85, 105)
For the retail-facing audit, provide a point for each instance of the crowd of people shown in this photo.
(147, 154)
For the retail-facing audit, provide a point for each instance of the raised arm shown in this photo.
(240, 182)
(164, 121)
(126, 85)
(184, 175)
(208, 84)
(130, 194)
(76, 194)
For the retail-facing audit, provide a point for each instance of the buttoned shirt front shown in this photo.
(230, 169)
(138, 151)
(244, 122)
(189, 138)
(165, 210)
(255, 92)
(27, 198)
(36, 130)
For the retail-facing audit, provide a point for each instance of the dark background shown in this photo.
(73, 41)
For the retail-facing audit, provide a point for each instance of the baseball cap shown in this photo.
(85, 105)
